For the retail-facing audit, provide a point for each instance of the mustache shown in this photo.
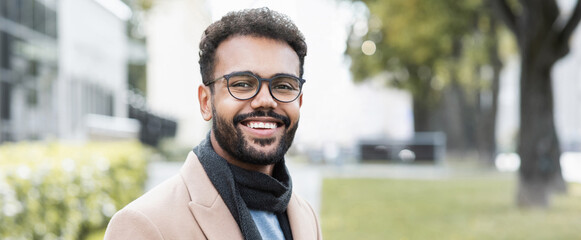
(241, 117)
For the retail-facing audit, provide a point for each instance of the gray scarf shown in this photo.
(242, 189)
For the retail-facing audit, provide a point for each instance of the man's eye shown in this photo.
(241, 84)
(285, 84)
(282, 86)
(242, 81)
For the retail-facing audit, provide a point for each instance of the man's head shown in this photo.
(263, 51)
(260, 22)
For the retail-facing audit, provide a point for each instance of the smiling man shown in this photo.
(235, 184)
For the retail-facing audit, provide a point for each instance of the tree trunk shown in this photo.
(453, 119)
(540, 171)
(542, 39)
(460, 109)
(487, 119)
(422, 115)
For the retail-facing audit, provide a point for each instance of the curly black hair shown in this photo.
(259, 22)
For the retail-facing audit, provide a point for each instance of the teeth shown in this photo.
(266, 125)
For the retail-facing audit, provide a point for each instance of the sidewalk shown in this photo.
(159, 171)
(307, 182)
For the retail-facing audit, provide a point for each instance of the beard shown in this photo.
(230, 138)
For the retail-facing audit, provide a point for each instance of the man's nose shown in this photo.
(263, 99)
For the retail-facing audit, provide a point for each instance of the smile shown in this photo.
(262, 128)
(261, 125)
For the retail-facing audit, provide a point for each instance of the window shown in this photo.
(32, 67)
(4, 8)
(110, 100)
(5, 50)
(51, 23)
(39, 19)
(27, 13)
(13, 9)
(5, 97)
(32, 98)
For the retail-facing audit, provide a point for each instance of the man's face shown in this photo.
(259, 130)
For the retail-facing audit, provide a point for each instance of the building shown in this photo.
(174, 29)
(28, 69)
(63, 70)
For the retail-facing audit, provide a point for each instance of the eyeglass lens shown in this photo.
(245, 86)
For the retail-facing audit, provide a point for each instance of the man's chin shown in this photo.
(264, 149)
(264, 143)
(263, 154)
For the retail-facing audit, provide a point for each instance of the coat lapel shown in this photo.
(214, 218)
(207, 206)
(303, 222)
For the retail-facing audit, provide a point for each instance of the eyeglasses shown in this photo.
(245, 85)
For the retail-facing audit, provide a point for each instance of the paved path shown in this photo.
(307, 182)
(159, 171)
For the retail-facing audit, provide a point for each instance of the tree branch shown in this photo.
(569, 28)
(503, 10)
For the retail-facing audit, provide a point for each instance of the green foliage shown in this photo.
(62, 191)
(424, 46)
(414, 32)
(475, 208)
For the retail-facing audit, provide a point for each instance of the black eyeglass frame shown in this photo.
(260, 80)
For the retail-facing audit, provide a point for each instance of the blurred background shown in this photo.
(421, 118)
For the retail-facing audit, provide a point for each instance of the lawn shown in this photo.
(480, 208)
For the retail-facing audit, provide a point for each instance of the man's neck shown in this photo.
(266, 169)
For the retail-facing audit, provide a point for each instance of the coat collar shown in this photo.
(206, 205)
(213, 215)
(303, 222)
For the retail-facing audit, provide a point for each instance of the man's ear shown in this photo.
(205, 99)
(301, 100)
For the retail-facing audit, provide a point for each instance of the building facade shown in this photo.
(62, 62)
(28, 68)
(174, 29)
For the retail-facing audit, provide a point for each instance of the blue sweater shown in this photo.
(267, 224)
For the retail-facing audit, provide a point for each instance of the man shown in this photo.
(235, 184)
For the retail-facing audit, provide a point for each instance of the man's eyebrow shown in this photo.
(258, 75)
(282, 74)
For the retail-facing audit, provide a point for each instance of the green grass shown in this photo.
(443, 209)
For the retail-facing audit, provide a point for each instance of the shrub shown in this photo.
(62, 191)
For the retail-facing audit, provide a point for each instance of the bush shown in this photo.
(63, 191)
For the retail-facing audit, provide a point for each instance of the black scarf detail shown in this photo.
(242, 189)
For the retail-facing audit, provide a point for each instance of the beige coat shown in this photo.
(187, 206)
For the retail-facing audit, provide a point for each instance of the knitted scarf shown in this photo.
(242, 189)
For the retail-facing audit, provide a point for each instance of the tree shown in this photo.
(437, 50)
(543, 38)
